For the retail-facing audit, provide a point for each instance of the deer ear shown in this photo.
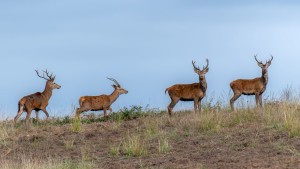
(196, 71)
(114, 86)
(53, 79)
(260, 65)
(206, 70)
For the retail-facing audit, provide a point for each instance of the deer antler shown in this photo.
(259, 62)
(270, 59)
(51, 76)
(112, 79)
(197, 68)
(204, 67)
(207, 63)
(47, 74)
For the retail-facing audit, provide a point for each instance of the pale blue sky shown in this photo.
(147, 45)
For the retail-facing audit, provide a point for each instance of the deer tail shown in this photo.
(166, 90)
(232, 85)
(81, 100)
(19, 105)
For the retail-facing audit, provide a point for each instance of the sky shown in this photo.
(147, 45)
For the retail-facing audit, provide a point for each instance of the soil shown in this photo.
(243, 146)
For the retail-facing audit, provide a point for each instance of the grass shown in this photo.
(48, 164)
(164, 145)
(134, 145)
(69, 143)
(115, 150)
(284, 116)
(76, 125)
(155, 132)
(5, 130)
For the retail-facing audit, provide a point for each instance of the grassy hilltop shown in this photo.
(147, 138)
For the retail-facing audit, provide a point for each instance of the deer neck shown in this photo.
(114, 96)
(265, 77)
(203, 84)
(47, 92)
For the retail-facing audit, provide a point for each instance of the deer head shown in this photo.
(50, 79)
(117, 86)
(264, 66)
(200, 72)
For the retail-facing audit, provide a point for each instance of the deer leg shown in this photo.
(80, 110)
(260, 100)
(110, 110)
(104, 110)
(257, 99)
(233, 99)
(45, 111)
(196, 101)
(27, 117)
(37, 116)
(199, 105)
(172, 105)
(21, 109)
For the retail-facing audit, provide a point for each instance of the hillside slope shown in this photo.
(248, 138)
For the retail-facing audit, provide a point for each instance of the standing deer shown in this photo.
(101, 102)
(37, 101)
(255, 86)
(189, 92)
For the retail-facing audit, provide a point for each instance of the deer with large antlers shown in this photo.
(37, 101)
(101, 102)
(189, 92)
(255, 86)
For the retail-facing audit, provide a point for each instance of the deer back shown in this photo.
(94, 102)
(248, 86)
(186, 91)
(34, 101)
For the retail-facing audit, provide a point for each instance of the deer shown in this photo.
(189, 92)
(255, 86)
(101, 102)
(37, 101)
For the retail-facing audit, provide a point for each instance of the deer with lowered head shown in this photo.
(255, 86)
(37, 101)
(189, 92)
(101, 102)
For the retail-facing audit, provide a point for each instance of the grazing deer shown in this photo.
(189, 92)
(255, 86)
(37, 101)
(101, 102)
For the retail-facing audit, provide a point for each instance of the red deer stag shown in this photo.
(189, 92)
(37, 101)
(255, 86)
(101, 102)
